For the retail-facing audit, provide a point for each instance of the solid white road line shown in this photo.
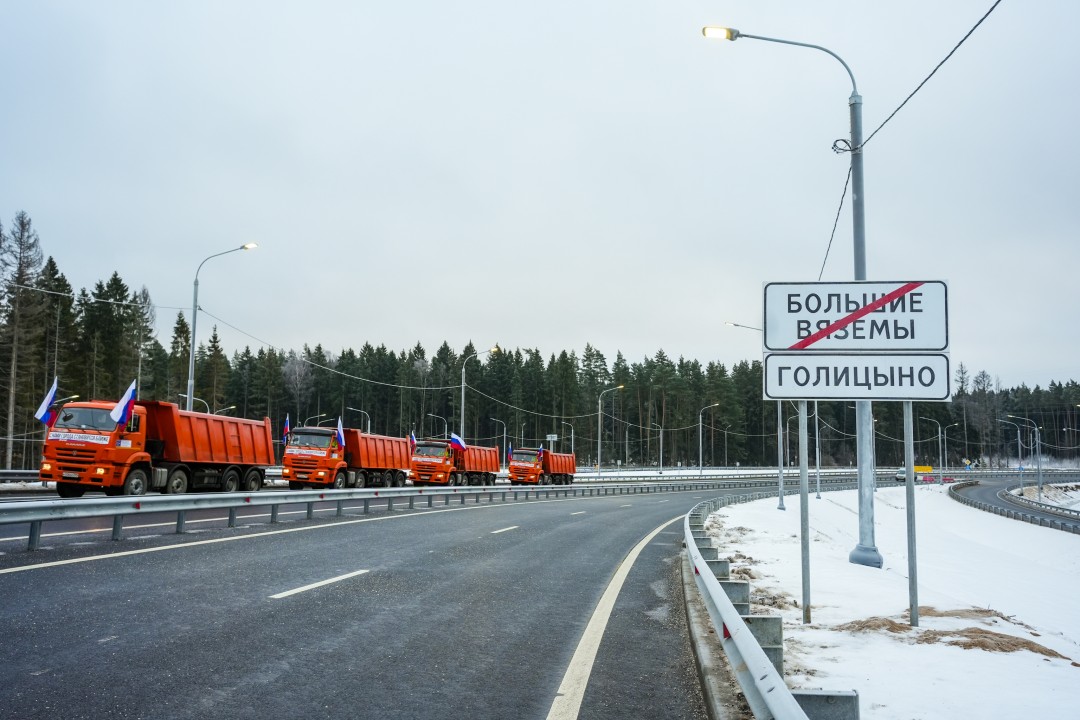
(567, 701)
(512, 527)
(312, 586)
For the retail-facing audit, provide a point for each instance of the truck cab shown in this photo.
(312, 456)
(525, 466)
(84, 450)
(436, 462)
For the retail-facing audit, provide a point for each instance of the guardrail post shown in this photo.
(411, 499)
(310, 510)
(35, 535)
(430, 500)
(340, 508)
(181, 518)
(390, 504)
(117, 527)
(232, 517)
(273, 513)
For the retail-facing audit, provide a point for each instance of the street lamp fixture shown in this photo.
(444, 424)
(600, 424)
(504, 439)
(313, 417)
(661, 446)
(225, 409)
(865, 552)
(194, 319)
(700, 463)
(475, 354)
(571, 436)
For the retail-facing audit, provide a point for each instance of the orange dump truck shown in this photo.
(313, 459)
(438, 462)
(536, 466)
(160, 448)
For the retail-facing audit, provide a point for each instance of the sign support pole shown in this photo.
(804, 511)
(909, 471)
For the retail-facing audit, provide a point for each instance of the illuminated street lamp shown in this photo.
(194, 318)
(865, 552)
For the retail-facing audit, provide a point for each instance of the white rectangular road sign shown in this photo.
(900, 316)
(857, 376)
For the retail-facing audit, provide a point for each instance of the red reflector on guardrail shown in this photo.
(726, 633)
(138, 506)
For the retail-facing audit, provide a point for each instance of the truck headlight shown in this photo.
(286, 471)
(100, 471)
(46, 466)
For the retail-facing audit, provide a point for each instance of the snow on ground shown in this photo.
(1064, 495)
(999, 620)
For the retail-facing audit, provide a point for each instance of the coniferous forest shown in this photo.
(96, 341)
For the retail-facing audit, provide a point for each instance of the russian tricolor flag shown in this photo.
(456, 441)
(285, 432)
(340, 434)
(44, 412)
(412, 441)
(121, 412)
(509, 451)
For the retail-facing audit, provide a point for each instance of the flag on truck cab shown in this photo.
(121, 412)
(44, 412)
(412, 441)
(540, 454)
(340, 436)
(285, 432)
(509, 451)
(457, 441)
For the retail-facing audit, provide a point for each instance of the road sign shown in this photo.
(900, 316)
(552, 438)
(804, 375)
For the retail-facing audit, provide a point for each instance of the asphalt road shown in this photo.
(468, 611)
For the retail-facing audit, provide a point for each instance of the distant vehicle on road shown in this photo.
(922, 474)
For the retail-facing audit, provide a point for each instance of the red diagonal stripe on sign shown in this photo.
(865, 310)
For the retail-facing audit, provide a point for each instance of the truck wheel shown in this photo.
(230, 480)
(361, 479)
(544, 480)
(69, 490)
(399, 479)
(135, 483)
(451, 479)
(339, 481)
(388, 479)
(252, 480)
(177, 482)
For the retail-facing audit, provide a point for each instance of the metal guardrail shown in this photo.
(1009, 496)
(18, 476)
(1011, 514)
(37, 512)
(762, 685)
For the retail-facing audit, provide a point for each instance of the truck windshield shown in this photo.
(309, 440)
(524, 456)
(432, 450)
(85, 419)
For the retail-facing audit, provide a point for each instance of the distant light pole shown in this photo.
(225, 409)
(194, 318)
(661, 446)
(504, 435)
(701, 412)
(1038, 450)
(365, 414)
(600, 424)
(1019, 453)
(727, 426)
(440, 417)
(571, 436)
(945, 438)
(475, 354)
(941, 472)
(523, 433)
(312, 418)
(189, 399)
(787, 440)
(865, 552)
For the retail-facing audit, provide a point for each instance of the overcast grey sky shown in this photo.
(549, 175)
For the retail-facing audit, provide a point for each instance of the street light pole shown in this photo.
(1019, 454)
(475, 354)
(661, 446)
(440, 417)
(304, 424)
(189, 398)
(194, 318)
(945, 438)
(600, 425)
(365, 414)
(940, 474)
(571, 436)
(504, 435)
(700, 462)
(1038, 450)
(865, 552)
